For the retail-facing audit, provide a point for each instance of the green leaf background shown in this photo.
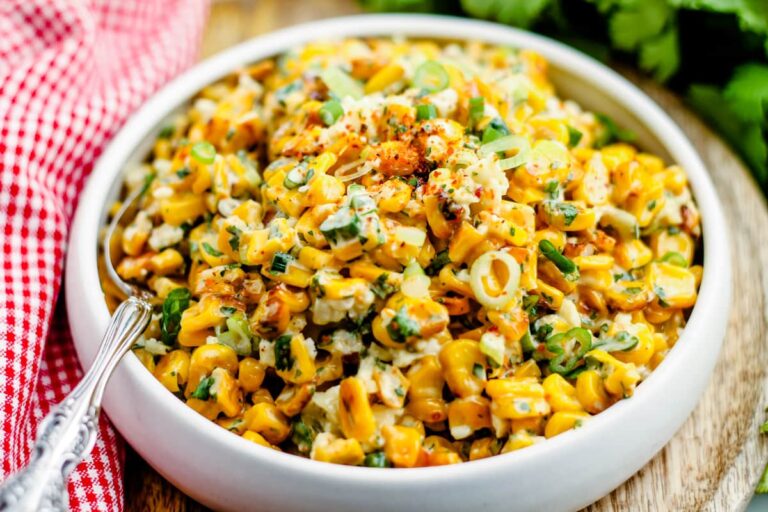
(714, 52)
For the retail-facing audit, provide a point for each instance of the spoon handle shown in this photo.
(67, 434)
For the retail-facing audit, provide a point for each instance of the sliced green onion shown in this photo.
(622, 342)
(675, 258)
(280, 262)
(330, 112)
(482, 268)
(564, 264)
(504, 144)
(476, 110)
(431, 76)
(297, 177)
(341, 84)
(569, 348)
(204, 152)
(490, 134)
(426, 112)
(574, 136)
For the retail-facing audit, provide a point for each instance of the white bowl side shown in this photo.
(564, 473)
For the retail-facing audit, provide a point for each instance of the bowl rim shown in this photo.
(714, 291)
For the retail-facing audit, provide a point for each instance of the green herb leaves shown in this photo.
(170, 321)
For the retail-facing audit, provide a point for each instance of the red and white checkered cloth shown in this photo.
(71, 71)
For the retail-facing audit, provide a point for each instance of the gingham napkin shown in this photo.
(71, 71)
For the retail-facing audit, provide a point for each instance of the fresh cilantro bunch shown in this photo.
(715, 52)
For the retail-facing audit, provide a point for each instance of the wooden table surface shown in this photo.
(714, 461)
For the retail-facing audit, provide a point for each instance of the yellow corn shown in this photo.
(355, 413)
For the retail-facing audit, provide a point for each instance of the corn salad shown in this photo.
(399, 253)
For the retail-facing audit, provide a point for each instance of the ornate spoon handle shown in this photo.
(67, 434)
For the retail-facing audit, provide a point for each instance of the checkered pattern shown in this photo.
(71, 71)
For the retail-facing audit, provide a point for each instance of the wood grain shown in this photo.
(714, 461)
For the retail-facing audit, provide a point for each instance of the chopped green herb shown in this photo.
(376, 460)
(440, 260)
(175, 303)
(381, 286)
(574, 136)
(228, 310)
(478, 370)
(675, 258)
(183, 172)
(166, 132)
(203, 389)
(210, 250)
(402, 326)
(234, 240)
(283, 356)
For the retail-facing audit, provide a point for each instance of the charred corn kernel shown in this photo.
(147, 359)
(517, 398)
(462, 244)
(262, 396)
(463, 367)
(450, 281)
(264, 418)
(257, 438)
(293, 399)
(206, 408)
(425, 395)
(295, 362)
(394, 196)
(329, 448)
(528, 369)
(560, 394)
(136, 234)
(517, 441)
(628, 295)
(355, 415)
(173, 370)
(568, 216)
(166, 262)
(181, 208)
(439, 452)
(250, 374)
(596, 279)
(664, 243)
(591, 392)
(619, 378)
(595, 187)
(675, 287)
(633, 254)
(383, 78)
(203, 315)
(391, 384)
(467, 415)
(594, 262)
(225, 392)
(315, 258)
(549, 293)
(564, 420)
(134, 268)
(401, 445)
(484, 447)
(205, 359)
(296, 300)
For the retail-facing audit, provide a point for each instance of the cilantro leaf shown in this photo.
(635, 21)
(520, 13)
(747, 92)
(174, 305)
(661, 55)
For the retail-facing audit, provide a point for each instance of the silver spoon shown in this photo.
(67, 434)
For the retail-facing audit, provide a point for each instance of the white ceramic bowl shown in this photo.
(572, 470)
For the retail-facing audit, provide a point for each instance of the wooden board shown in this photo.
(714, 461)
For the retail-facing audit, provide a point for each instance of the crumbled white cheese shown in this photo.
(164, 236)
